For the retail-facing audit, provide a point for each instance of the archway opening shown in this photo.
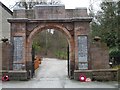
(51, 48)
(57, 50)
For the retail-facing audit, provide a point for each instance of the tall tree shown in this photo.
(107, 24)
(107, 27)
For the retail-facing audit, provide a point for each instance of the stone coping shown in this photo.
(2, 71)
(97, 70)
(74, 19)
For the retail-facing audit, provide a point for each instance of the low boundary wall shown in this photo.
(99, 74)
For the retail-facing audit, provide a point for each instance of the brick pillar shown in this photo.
(82, 52)
(81, 32)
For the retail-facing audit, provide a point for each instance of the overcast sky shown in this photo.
(69, 4)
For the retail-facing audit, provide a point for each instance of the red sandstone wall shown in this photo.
(6, 56)
(99, 56)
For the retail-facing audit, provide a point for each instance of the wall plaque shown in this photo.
(18, 51)
(82, 52)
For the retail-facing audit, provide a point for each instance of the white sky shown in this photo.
(69, 4)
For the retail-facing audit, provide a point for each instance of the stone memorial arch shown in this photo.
(73, 23)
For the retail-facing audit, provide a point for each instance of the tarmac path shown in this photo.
(52, 73)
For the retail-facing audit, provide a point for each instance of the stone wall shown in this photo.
(22, 13)
(16, 75)
(49, 11)
(7, 56)
(99, 55)
(98, 75)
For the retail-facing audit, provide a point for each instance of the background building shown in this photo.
(4, 26)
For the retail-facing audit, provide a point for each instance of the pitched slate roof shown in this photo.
(6, 8)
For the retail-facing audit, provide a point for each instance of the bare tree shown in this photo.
(29, 4)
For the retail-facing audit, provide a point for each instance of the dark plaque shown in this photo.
(82, 52)
(18, 51)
